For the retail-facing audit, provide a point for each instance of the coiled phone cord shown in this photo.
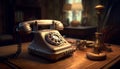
(5, 59)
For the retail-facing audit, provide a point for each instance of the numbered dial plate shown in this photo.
(54, 38)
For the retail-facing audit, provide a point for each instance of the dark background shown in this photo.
(52, 9)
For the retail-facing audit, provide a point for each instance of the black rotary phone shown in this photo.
(47, 43)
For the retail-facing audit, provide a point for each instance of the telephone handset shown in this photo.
(54, 24)
(47, 43)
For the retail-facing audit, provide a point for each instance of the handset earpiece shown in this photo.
(25, 27)
(58, 25)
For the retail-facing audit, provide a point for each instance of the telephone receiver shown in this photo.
(54, 24)
(47, 43)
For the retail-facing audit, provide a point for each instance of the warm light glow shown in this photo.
(73, 9)
(73, 6)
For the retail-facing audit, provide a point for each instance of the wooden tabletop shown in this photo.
(77, 61)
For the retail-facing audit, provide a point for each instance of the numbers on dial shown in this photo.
(54, 38)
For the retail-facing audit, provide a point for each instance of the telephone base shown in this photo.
(52, 56)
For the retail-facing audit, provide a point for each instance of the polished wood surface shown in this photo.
(77, 61)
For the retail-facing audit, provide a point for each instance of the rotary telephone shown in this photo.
(47, 43)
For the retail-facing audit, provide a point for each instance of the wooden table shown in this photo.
(77, 61)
